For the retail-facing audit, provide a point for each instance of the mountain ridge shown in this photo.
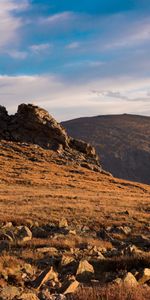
(122, 142)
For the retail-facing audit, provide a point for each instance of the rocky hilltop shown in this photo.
(32, 124)
(121, 141)
(66, 231)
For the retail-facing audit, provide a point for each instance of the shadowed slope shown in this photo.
(122, 142)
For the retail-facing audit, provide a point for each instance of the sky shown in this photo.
(76, 58)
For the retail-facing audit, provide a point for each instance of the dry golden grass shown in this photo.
(45, 190)
(111, 292)
(38, 186)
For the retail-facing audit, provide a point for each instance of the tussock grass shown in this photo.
(112, 292)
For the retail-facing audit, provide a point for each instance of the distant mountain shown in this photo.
(122, 142)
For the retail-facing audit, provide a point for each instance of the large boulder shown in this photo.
(32, 124)
(35, 125)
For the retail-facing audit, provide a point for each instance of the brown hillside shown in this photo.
(41, 185)
(122, 142)
(68, 229)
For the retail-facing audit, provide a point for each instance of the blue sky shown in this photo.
(76, 58)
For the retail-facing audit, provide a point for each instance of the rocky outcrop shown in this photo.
(3, 121)
(32, 124)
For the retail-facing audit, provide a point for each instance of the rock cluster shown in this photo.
(61, 271)
(35, 125)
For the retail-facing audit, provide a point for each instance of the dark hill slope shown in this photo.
(122, 142)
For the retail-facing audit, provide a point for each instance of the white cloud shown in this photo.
(17, 54)
(40, 48)
(131, 33)
(10, 5)
(57, 18)
(66, 101)
(73, 45)
(10, 24)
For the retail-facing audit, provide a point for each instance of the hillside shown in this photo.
(67, 226)
(121, 141)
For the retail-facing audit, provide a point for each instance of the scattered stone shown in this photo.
(119, 230)
(23, 234)
(117, 281)
(63, 223)
(85, 271)
(71, 287)
(73, 232)
(8, 237)
(48, 274)
(144, 276)
(129, 280)
(67, 260)
(28, 269)
(131, 250)
(7, 225)
(51, 250)
(95, 252)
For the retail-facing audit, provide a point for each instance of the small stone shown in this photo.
(72, 287)
(48, 274)
(7, 225)
(131, 250)
(63, 223)
(73, 232)
(24, 234)
(66, 260)
(117, 281)
(144, 276)
(29, 270)
(51, 250)
(129, 280)
(85, 271)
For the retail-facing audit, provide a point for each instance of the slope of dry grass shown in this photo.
(39, 185)
(38, 188)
